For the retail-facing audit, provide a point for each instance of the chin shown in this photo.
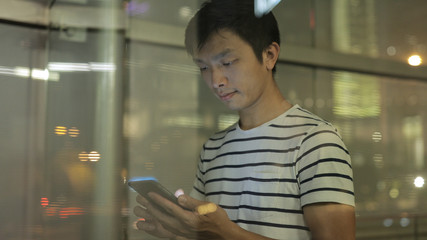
(234, 107)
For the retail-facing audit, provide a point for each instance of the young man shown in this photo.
(280, 172)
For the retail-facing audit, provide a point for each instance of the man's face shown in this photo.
(232, 71)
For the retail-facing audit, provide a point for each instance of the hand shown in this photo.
(150, 224)
(180, 222)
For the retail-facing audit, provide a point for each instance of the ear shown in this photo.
(270, 55)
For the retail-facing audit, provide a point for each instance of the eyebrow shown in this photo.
(216, 57)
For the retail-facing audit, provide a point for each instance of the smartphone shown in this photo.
(145, 185)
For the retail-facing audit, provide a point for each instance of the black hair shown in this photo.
(237, 16)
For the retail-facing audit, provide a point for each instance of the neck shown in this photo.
(265, 111)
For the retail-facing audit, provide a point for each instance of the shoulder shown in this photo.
(298, 117)
(317, 129)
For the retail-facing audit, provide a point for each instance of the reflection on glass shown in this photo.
(81, 67)
(84, 156)
(415, 60)
(419, 182)
(369, 28)
(388, 222)
(40, 74)
(356, 95)
(413, 134)
(394, 193)
(61, 130)
(378, 160)
(94, 156)
(186, 121)
(34, 73)
(21, 72)
(44, 202)
(135, 8)
(404, 222)
(73, 132)
(377, 137)
(226, 120)
(383, 120)
(386, 138)
(263, 7)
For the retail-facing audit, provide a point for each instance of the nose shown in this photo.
(218, 78)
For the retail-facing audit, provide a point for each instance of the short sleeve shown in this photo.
(323, 168)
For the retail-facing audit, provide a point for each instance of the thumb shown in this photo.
(187, 201)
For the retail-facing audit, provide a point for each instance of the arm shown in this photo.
(326, 185)
(189, 224)
(330, 221)
(325, 220)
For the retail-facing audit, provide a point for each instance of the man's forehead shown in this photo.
(201, 55)
(217, 38)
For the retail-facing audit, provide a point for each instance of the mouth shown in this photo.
(226, 96)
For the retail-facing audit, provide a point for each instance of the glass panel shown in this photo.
(177, 12)
(296, 22)
(22, 98)
(383, 122)
(83, 184)
(62, 171)
(171, 113)
(64, 161)
(162, 119)
(381, 29)
(296, 83)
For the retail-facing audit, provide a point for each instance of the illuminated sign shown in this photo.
(263, 7)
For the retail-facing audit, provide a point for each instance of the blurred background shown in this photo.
(95, 92)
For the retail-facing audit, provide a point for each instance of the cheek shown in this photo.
(206, 79)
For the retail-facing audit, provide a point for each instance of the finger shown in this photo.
(146, 226)
(178, 193)
(180, 238)
(141, 200)
(165, 204)
(145, 203)
(177, 220)
(189, 202)
(143, 213)
(206, 208)
(155, 229)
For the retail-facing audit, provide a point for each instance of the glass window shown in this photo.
(383, 122)
(83, 110)
(162, 118)
(296, 22)
(384, 29)
(176, 13)
(22, 118)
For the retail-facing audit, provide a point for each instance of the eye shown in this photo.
(228, 63)
(203, 68)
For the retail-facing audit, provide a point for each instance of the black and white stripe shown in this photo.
(264, 176)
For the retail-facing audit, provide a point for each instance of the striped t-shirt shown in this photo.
(263, 177)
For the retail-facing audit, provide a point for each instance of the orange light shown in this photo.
(44, 202)
(84, 156)
(50, 212)
(94, 156)
(73, 132)
(60, 130)
(70, 211)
